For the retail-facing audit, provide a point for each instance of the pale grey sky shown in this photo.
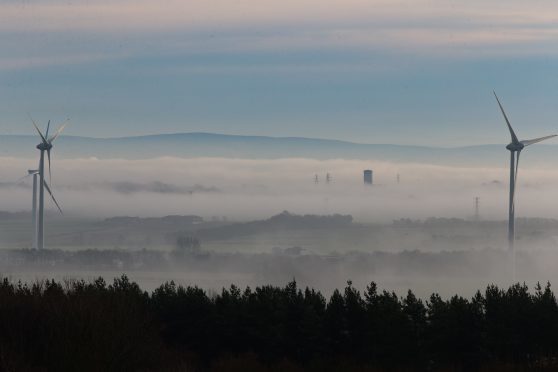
(419, 72)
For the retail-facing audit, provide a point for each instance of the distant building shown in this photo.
(368, 177)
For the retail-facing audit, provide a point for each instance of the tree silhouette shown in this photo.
(92, 326)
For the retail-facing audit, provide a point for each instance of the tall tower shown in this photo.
(328, 178)
(316, 179)
(368, 177)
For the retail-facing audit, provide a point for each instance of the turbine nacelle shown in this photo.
(44, 146)
(517, 146)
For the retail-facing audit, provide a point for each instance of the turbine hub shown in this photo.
(515, 146)
(44, 146)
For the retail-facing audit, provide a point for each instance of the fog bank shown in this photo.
(244, 189)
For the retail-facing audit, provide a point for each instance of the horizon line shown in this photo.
(268, 137)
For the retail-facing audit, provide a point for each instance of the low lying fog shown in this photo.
(242, 189)
(447, 256)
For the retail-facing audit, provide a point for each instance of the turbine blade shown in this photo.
(530, 142)
(52, 196)
(57, 133)
(515, 180)
(21, 179)
(512, 133)
(49, 171)
(38, 130)
(48, 127)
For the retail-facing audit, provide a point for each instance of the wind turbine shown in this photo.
(515, 146)
(35, 174)
(45, 145)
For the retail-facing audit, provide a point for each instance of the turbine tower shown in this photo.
(515, 147)
(45, 145)
(35, 174)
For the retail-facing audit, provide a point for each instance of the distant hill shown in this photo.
(232, 146)
(284, 221)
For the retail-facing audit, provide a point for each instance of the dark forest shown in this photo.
(96, 326)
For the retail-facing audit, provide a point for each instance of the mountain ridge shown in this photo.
(203, 144)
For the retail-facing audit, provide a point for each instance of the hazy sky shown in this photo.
(417, 72)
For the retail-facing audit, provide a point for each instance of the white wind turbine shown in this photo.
(35, 174)
(515, 147)
(45, 145)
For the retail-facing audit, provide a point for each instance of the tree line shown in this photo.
(93, 326)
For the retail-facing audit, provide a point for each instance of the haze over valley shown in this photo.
(420, 232)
